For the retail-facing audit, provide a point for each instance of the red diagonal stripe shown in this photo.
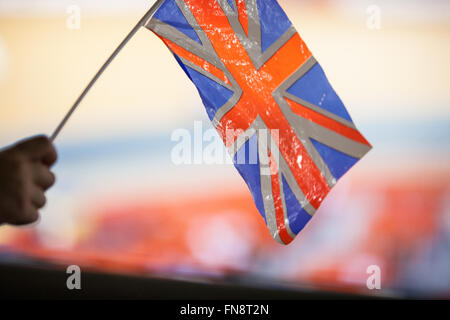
(205, 65)
(243, 18)
(326, 122)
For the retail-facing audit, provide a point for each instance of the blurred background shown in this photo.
(121, 205)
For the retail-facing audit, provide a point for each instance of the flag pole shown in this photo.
(140, 24)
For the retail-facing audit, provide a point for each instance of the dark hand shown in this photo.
(24, 177)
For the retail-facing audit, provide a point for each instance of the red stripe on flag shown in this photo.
(196, 60)
(243, 18)
(279, 210)
(326, 122)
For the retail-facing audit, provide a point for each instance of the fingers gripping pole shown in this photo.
(141, 23)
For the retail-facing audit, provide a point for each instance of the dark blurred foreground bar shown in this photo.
(24, 282)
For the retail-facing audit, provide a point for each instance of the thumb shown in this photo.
(39, 148)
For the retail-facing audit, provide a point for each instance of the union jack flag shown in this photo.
(257, 78)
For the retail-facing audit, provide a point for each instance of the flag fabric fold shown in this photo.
(288, 133)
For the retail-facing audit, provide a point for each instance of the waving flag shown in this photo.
(289, 134)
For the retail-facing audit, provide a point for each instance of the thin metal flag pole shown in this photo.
(140, 24)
